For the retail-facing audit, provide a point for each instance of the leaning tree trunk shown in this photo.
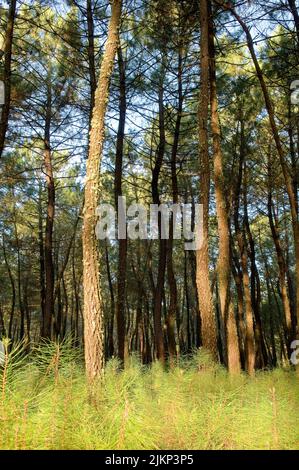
(93, 311)
(208, 325)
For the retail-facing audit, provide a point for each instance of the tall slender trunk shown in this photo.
(19, 279)
(93, 311)
(122, 243)
(188, 311)
(192, 263)
(159, 288)
(75, 299)
(208, 323)
(7, 48)
(242, 244)
(173, 303)
(261, 353)
(224, 261)
(42, 285)
(66, 308)
(49, 264)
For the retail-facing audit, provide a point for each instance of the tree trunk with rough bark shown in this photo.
(224, 261)
(93, 311)
(208, 323)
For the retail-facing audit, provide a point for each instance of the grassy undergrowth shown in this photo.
(45, 403)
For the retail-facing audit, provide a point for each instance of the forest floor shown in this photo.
(45, 403)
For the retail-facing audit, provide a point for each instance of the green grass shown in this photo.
(45, 403)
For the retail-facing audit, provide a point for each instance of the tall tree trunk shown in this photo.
(208, 323)
(93, 311)
(49, 264)
(192, 263)
(19, 280)
(242, 244)
(75, 302)
(173, 304)
(42, 285)
(66, 308)
(188, 316)
(159, 288)
(122, 242)
(224, 261)
(7, 48)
